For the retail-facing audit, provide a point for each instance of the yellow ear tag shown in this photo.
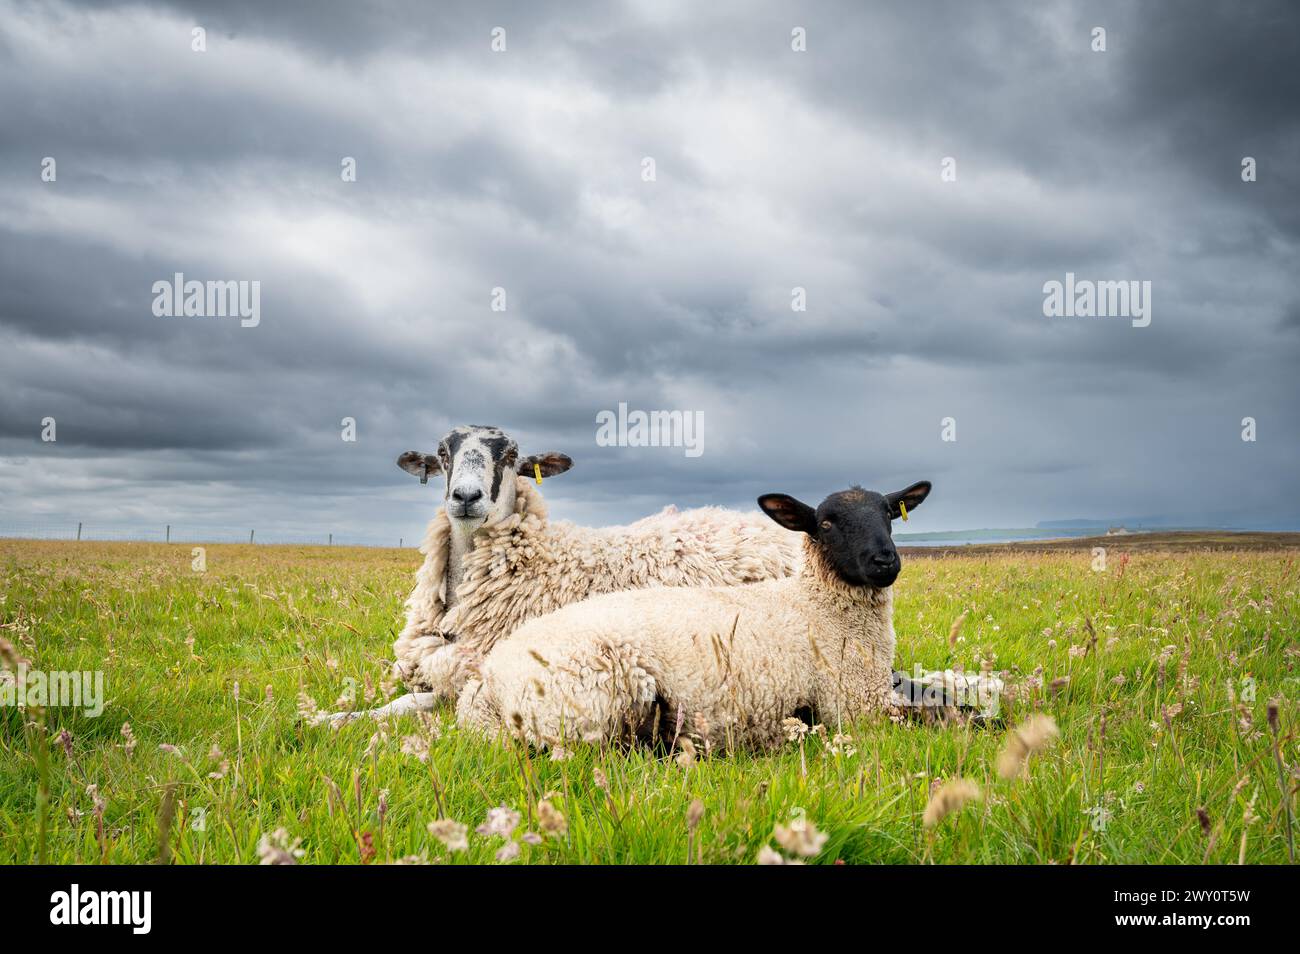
(902, 508)
(537, 472)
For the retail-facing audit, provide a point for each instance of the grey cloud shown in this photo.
(522, 170)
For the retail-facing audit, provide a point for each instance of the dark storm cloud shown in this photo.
(523, 170)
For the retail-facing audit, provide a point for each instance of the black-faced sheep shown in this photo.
(731, 662)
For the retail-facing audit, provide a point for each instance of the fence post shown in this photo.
(78, 530)
(250, 535)
(399, 543)
(169, 534)
(331, 539)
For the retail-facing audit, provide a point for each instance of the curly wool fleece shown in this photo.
(524, 566)
(727, 663)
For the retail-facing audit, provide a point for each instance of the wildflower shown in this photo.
(500, 821)
(550, 820)
(800, 838)
(1031, 736)
(950, 797)
(307, 708)
(367, 847)
(65, 739)
(599, 777)
(767, 855)
(128, 743)
(1203, 817)
(842, 744)
(453, 835)
(416, 746)
(508, 852)
(276, 849)
(92, 792)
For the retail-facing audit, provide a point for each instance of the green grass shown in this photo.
(172, 644)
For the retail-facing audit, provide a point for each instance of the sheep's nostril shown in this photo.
(884, 559)
(466, 496)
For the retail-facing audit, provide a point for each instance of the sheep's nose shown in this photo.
(466, 495)
(884, 559)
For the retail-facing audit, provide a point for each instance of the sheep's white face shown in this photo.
(479, 464)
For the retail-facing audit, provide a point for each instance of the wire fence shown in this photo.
(169, 533)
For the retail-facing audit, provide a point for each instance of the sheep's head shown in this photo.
(480, 465)
(853, 528)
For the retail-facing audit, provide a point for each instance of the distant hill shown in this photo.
(1164, 541)
(1219, 520)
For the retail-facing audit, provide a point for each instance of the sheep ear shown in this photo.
(790, 513)
(421, 465)
(549, 464)
(911, 498)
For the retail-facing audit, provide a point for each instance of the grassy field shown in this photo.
(1159, 671)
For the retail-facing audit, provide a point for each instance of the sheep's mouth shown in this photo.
(877, 577)
(471, 513)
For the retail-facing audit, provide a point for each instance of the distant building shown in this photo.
(1116, 531)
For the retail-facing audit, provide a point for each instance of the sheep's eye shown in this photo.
(826, 524)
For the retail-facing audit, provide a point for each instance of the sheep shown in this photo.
(736, 661)
(493, 560)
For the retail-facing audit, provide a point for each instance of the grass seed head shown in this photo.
(1032, 735)
(949, 797)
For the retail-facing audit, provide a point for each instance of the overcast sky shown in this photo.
(774, 169)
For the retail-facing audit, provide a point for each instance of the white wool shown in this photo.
(525, 566)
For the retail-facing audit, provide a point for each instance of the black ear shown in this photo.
(549, 464)
(911, 498)
(421, 465)
(790, 513)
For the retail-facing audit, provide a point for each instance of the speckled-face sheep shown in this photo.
(727, 663)
(493, 560)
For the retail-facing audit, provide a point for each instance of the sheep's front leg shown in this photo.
(408, 704)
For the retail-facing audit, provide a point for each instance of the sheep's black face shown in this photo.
(480, 464)
(853, 528)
